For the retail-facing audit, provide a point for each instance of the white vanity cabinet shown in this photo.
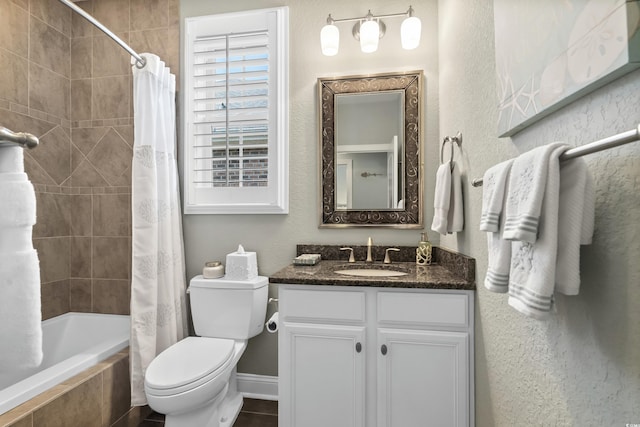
(375, 357)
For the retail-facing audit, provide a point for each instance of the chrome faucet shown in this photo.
(369, 245)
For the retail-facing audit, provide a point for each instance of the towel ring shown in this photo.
(452, 139)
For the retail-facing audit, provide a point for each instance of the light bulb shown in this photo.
(410, 33)
(369, 36)
(330, 39)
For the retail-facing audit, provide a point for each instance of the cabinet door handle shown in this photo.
(358, 347)
(383, 349)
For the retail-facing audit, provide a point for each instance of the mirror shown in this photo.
(370, 154)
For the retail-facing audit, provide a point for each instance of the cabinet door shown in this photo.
(423, 379)
(322, 371)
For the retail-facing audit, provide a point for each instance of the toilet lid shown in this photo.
(188, 361)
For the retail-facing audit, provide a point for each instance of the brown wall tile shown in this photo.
(81, 406)
(53, 13)
(114, 14)
(80, 295)
(116, 391)
(112, 215)
(53, 154)
(109, 59)
(81, 217)
(55, 298)
(13, 78)
(49, 92)
(111, 257)
(147, 14)
(81, 99)
(22, 422)
(87, 138)
(53, 215)
(14, 26)
(112, 157)
(111, 96)
(81, 57)
(53, 253)
(35, 172)
(80, 257)
(49, 48)
(86, 175)
(80, 27)
(111, 296)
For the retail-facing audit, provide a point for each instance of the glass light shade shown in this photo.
(330, 39)
(369, 36)
(410, 33)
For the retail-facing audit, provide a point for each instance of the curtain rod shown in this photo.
(592, 147)
(140, 61)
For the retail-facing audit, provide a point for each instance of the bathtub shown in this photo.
(71, 343)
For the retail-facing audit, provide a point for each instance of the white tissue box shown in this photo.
(241, 265)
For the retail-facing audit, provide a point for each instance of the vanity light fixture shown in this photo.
(368, 30)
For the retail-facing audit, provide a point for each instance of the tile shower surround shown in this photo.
(66, 82)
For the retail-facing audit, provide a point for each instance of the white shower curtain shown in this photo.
(158, 314)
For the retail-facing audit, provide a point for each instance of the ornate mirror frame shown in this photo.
(411, 216)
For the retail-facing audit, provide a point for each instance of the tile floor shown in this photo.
(255, 413)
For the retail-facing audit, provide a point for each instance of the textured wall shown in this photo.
(582, 367)
(273, 237)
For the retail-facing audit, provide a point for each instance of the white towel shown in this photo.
(499, 250)
(12, 159)
(533, 265)
(575, 223)
(493, 190)
(442, 199)
(21, 331)
(526, 189)
(18, 201)
(455, 215)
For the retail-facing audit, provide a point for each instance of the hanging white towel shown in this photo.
(21, 331)
(499, 249)
(442, 199)
(20, 315)
(533, 265)
(455, 215)
(526, 190)
(575, 223)
(493, 190)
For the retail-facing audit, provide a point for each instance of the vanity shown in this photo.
(392, 348)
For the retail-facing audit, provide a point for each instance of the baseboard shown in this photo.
(254, 386)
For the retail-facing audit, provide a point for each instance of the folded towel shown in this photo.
(21, 331)
(12, 159)
(575, 223)
(499, 250)
(18, 201)
(441, 199)
(532, 273)
(526, 189)
(493, 190)
(455, 215)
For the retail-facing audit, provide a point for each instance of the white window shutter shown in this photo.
(236, 113)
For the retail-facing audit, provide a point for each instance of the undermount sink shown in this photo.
(371, 272)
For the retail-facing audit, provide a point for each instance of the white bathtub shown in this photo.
(71, 343)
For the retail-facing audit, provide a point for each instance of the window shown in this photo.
(236, 113)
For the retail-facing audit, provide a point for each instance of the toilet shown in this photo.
(193, 382)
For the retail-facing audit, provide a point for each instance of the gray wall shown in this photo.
(582, 367)
(273, 237)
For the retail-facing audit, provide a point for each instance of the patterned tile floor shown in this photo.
(255, 413)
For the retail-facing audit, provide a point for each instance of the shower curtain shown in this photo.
(158, 314)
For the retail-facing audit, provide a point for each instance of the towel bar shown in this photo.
(23, 139)
(593, 147)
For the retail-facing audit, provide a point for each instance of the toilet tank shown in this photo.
(232, 309)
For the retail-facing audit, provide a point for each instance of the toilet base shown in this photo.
(222, 411)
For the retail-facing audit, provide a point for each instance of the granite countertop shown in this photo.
(449, 270)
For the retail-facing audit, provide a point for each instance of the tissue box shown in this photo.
(241, 265)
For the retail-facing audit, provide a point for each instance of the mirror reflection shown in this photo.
(370, 150)
(369, 141)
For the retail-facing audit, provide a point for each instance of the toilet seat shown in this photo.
(188, 364)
